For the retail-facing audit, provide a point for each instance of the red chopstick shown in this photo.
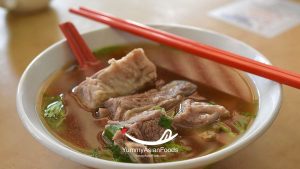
(83, 54)
(147, 28)
(193, 47)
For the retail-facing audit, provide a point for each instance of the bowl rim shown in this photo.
(85, 159)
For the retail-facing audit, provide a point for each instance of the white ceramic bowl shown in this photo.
(57, 55)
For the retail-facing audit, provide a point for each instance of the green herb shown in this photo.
(248, 114)
(110, 131)
(165, 122)
(106, 154)
(119, 155)
(103, 154)
(241, 125)
(179, 147)
(225, 128)
(106, 50)
(158, 108)
(95, 153)
(54, 111)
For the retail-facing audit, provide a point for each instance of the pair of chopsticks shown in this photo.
(193, 47)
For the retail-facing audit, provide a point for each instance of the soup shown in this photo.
(152, 107)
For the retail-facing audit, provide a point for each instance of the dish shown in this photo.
(121, 38)
(89, 112)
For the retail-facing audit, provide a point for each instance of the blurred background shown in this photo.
(27, 27)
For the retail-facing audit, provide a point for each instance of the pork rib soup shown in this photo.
(150, 104)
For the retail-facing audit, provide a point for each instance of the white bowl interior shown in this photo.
(57, 55)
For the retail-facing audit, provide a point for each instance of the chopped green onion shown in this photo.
(119, 155)
(225, 128)
(110, 131)
(240, 125)
(179, 147)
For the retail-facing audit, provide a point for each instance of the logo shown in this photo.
(165, 137)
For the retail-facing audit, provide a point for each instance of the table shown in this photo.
(22, 37)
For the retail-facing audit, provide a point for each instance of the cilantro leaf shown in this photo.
(54, 111)
(165, 122)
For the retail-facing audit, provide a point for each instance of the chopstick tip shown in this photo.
(72, 10)
(68, 23)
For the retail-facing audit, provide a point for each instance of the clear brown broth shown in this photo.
(81, 130)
